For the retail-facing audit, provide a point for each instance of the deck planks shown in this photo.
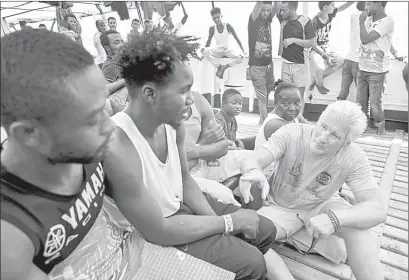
(388, 155)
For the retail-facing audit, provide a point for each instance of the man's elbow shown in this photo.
(365, 40)
(224, 149)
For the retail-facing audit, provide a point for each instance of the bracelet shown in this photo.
(334, 219)
(228, 223)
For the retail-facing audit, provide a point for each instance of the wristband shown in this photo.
(228, 223)
(334, 219)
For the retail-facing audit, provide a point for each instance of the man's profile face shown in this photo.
(327, 138)
(112, 24)
(330, 8)
(83, 129)
(115, 43)
(174, 98)
(265, 11)
(217, 18)
(371, 8)
(285, 11)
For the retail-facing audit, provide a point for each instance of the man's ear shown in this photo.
(29, 134)
(149, 92)
(106, 48)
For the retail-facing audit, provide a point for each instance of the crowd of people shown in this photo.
(113, 168)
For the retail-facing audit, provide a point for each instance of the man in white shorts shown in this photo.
(221, 32)
(311, 164)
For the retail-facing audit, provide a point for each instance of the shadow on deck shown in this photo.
(388, 155)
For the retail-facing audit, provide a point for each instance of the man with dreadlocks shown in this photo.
(147, 169)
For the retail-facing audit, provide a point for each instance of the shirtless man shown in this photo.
(53, 222)
(221, 31)
(147, 164)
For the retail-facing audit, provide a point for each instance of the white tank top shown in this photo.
(222, 39)
(193, 127)
(260, 138)
(164, 180)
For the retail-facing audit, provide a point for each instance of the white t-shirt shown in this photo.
(374, 56)
(355, 39)
(101, 54)
(302, 182)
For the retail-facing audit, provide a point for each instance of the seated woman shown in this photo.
(206, 145)
(287, 108)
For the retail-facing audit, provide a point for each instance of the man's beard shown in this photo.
(66, 159)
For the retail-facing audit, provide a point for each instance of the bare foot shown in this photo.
(381, 130)
(322, 89)
(311, 88)
(220, 72)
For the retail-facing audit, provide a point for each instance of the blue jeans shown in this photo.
(370, 89)
(349, 75)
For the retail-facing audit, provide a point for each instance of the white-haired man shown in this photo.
(311, 164)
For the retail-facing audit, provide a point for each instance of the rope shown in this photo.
(27, 12)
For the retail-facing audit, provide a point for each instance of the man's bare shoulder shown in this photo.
(121, 151)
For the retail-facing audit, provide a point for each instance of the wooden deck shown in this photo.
(388, 155)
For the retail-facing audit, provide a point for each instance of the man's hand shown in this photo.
(329, 60)
(288, 41)
(232, 145)
(211, 133)
(363, 16)
(117, 105)
(246, 221)
(255, 176)
(320, 226)
(240, 144)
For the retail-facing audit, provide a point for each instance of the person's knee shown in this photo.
(255, 265)
(338, 61)
(267, 234)
(262, 101)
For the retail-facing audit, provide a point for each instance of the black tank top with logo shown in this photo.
(56, 224)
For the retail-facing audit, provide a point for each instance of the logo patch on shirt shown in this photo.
(55, 240)
(324, 178)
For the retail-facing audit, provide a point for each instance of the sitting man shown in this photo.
(311, 164)
(147, 168)
(54, 221)
(221, 32)
(112, 42)
(207, 147)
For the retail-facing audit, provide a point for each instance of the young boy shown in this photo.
(231, 107)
